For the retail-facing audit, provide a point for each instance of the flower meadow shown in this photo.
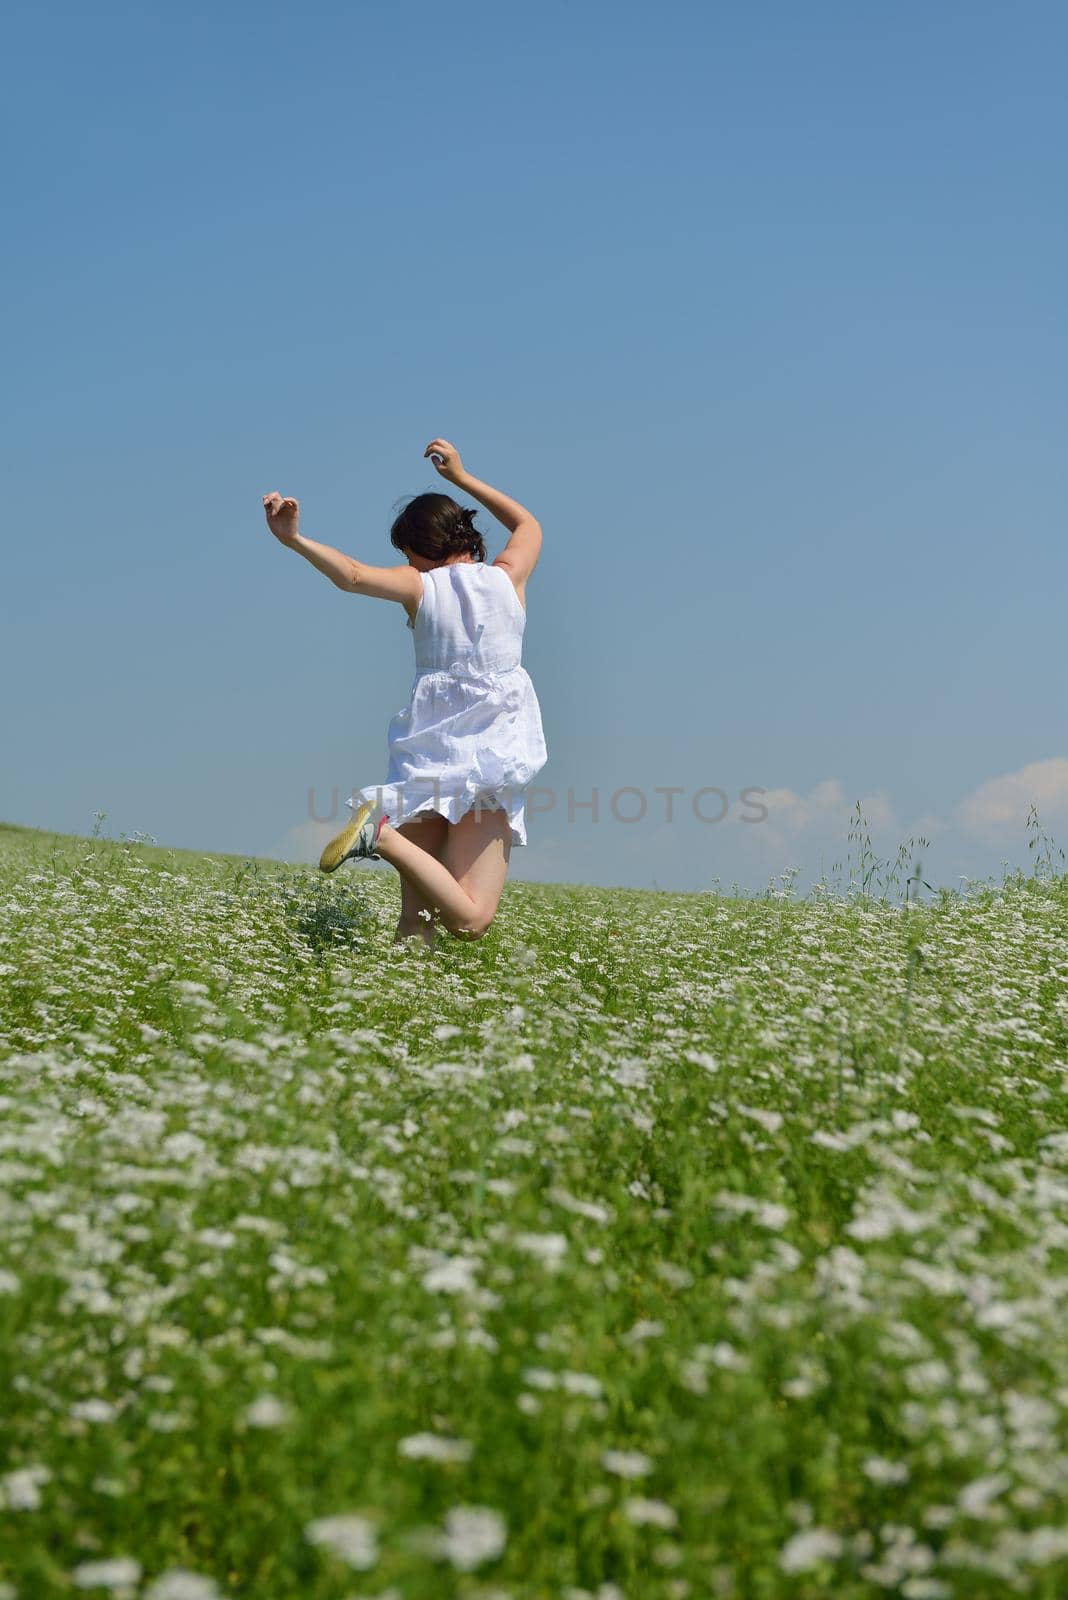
(656, 1246)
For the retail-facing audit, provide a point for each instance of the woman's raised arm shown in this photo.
(519, 556)
(403, 584)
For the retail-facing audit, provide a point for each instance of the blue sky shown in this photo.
(759, 309)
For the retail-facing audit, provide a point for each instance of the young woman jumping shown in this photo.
(469, 742)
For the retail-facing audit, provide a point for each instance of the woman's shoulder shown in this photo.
(476, 572)
(518, 593)
(484, 573)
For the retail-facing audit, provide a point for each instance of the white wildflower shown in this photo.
(886, 1216)
(884, 1472)
(627, 1463)
(549, 1248)
(93, 1411)
(110, 1486)
(771, 1216)
(540, 1378)
(120, 1572)
(21, 1490)
(216, 1238)
(722, 1355)
(674, 1275)
(581, 1383)
(808, 1548)
(643, 1330)
(975, 1498)
(182, 1146)
(434, 1447)
(770, 1120)
(351, 1538)
(180, 1584)
(827, 1140)
(266, 1412)
(692, 1376)
(581, 1208)
(473, 1535)
(650, 1513)
(455, 1275)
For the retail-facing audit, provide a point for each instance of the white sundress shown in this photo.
(471, 732)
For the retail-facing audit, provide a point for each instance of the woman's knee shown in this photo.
(474, 927)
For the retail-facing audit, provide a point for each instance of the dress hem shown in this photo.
(390, 797)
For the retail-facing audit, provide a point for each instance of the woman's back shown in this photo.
(470, 620)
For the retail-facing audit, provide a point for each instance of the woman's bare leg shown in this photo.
(477, 851)
(465, 887)
(428, 833)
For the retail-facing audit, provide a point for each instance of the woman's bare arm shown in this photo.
(403, 584)
(519, 556)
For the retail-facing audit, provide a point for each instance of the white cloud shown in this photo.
(304, 843)
(826, 803)
(1002, 803)
(929, 826)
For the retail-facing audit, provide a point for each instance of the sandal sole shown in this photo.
(339, 847)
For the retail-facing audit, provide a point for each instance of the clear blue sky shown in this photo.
(761, 311)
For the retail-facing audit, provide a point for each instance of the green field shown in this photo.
(656, 1246)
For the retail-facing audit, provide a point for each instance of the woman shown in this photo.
(470, 741)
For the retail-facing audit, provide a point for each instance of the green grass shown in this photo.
(719, 1243)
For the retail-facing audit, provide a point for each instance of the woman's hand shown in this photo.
(283, 518)
(446, 459)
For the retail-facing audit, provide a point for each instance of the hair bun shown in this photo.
(437, 527)
(465, 525)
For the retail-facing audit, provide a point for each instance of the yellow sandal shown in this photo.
(357, 840)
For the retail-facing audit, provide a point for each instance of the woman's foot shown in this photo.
(422, 929)
(357, 840)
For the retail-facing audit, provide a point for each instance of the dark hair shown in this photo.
(435, 527)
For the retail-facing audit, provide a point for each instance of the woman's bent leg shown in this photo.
(476, 853)
(428, 833)
(465, 886)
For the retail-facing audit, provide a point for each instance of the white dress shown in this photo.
(471, 732)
